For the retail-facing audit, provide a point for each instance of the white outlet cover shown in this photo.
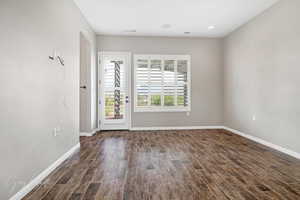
(54, 132)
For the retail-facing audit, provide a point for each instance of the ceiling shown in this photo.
(200, 18)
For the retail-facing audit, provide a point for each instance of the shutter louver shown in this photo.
(162, 83)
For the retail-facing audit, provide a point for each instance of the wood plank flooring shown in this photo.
(172, 165)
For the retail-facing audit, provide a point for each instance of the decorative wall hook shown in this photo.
(60, 59)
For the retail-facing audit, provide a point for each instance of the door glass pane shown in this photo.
(114, 90)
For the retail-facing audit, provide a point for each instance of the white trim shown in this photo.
(37, 180)
(250, 137)
(162, 109)
(30, 186)
(129, 71)
(175, 128)
(128, 56)
(263, 142)
(86, 134)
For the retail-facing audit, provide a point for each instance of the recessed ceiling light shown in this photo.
(130, 31)
(187, 32)
(166, 26)
(211, 27)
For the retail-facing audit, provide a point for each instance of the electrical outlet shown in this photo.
(254, 118)
(56, 131)
(187, 113)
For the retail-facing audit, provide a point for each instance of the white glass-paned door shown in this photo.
(114, 73)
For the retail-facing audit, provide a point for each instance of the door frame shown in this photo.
(100, 89)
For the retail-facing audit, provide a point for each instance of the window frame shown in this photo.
(163, 108)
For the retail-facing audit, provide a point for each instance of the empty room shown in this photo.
(150, 100)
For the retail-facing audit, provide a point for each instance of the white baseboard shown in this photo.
(30, 186)
(85, 134)
(89, 134)
(266, 143)
(174, 128)
(256, 139)
(37, 180)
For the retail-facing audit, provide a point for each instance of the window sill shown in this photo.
(153, 109)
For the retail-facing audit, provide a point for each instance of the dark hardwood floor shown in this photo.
(172, 165)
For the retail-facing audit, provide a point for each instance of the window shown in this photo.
(162, 83)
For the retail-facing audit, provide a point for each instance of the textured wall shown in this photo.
(37, 94)
(207, 77)
(262, 80)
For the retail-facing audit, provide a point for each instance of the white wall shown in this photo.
(262, 72)
(207, 77)
(37, 94)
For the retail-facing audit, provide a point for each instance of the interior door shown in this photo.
(85, 64)
(114, 92)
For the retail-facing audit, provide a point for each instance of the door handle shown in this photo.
(83, 87)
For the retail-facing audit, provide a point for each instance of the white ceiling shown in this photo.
(147, 17)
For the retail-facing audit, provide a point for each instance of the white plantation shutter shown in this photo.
(182, 83)
(162, 83)
(142, 79)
